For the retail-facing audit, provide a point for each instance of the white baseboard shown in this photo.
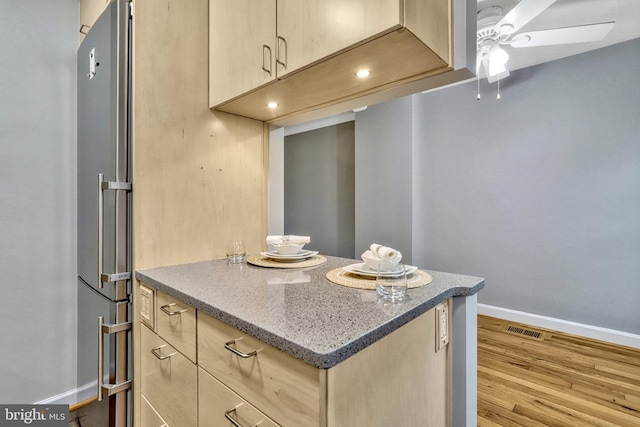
(71, 397)
(594, 332)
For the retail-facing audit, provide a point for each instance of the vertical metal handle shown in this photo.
(100, 357)
(106, 185)
(100, 225)
(227, 415)
(266, 48)
(286, 51)
(108, 329)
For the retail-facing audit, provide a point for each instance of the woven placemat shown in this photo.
(345, 278)
(263, 261)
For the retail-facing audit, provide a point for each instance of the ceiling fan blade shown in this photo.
(579, 34)
(521, 14)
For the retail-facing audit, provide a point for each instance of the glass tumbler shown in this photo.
(236, 252)
(391, 284)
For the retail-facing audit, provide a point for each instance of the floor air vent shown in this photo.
(516, 330)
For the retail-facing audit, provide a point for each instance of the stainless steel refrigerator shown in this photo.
(104, 215)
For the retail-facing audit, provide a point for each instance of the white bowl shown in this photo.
(287, 248)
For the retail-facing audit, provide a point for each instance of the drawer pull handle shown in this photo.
(233, 421)
(156, 353)
(228, 346)
(167, 309)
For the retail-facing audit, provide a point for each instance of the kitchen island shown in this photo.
(321, 328)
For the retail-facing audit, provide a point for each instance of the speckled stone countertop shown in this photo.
(300, 311)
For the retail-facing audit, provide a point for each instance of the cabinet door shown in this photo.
(309, 30)
(241, 47)
(148, 415)
(168, 381)
(218, 404)
(403, 379)
(177, 324)
(279, 385)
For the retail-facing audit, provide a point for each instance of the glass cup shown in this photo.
(391, 284)
(236, 252)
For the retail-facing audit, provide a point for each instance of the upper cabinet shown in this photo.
(241, 48)
(90, 10)
(311, 30)
(302, 55)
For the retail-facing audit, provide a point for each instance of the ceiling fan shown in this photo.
(495, 29)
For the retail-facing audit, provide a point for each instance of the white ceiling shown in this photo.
(567, 13)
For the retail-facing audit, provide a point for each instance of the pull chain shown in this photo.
(498, 96)
(478, 79)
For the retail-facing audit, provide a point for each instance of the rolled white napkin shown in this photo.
(390, 256)
(288, 238)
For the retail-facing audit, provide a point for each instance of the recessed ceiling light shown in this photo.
(363, 73)
(272, 105)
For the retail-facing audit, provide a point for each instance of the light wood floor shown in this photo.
(554, 380)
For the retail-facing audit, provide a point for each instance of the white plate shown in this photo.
(363, 270)
(300, 255)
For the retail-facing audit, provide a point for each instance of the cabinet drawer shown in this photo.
(177, 324)
(281, 386)
(169, 380)
(217, 402)
(148, 416)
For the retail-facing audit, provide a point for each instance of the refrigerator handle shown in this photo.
(107, 185)
(109, 389)
(100, 357)
(100, 240)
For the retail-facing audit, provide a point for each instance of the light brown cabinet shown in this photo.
(401, 379)
(285, 388)
(218, 404)
(167, 358)
(200, 177)
(241, 49)
(309, 59)
(168, 380)
(310, 30)
(149, 416)
(177, 324)
(247, 49)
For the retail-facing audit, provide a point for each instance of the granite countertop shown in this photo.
(299, 311)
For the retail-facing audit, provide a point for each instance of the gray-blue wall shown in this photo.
(38, 46)
(539, 192)
(319, 188)
(384, 167)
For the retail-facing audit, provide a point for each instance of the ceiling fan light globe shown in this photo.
(494, 71)
(498, 54)
(497, 77)
(497, 61)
